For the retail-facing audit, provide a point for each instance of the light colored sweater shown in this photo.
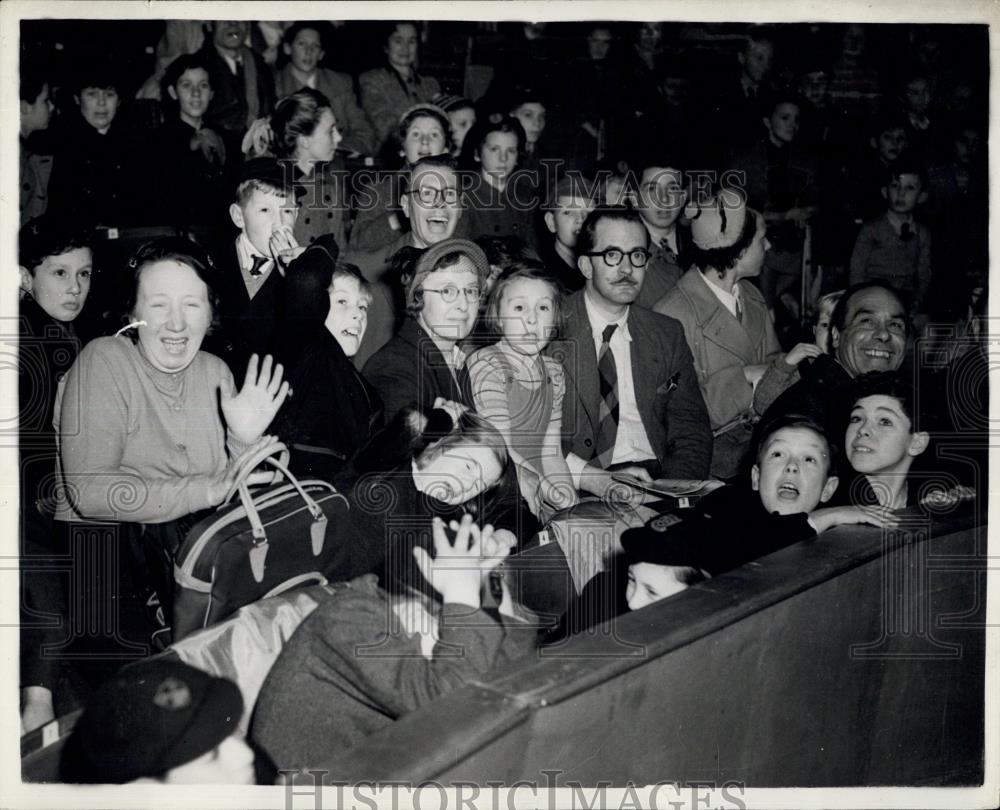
(138, 444)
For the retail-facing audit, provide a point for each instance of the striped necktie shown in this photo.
(607, 429)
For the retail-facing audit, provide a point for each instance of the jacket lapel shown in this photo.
(580, 361)
(717, 324)
(646, 368)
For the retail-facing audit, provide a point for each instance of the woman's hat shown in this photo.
(150, 718)
(718, 222)
(430, 257)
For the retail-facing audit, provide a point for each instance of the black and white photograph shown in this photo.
(497, 405)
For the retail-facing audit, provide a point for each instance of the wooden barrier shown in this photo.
(852, 659)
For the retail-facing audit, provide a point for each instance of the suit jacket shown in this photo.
(227, 112)
(721, 346)
(410, 369)
(663, 271)
(248, 324)
(670, 403)
(339, 88)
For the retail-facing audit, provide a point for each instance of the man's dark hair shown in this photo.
(839, 315)
(430, 161)
(615, 213)
(724, 258)
(907, 164)
(321, 29)
(176, 69)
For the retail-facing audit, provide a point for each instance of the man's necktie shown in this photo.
(607, 429)
(258, 263)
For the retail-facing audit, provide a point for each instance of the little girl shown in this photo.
(519, 390)
(494, 203)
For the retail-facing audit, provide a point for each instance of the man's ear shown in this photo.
(550, 219)
(236, 215)
(26, 279)
(584, 266)
(171, 92)
(873, 142)
(404, 203)
(919, 442)
(829, 488)
(767, 122)
(755, 478)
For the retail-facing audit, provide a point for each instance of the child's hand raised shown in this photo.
(800, 351)
(284, 247)
(456, 570)
(827, 518)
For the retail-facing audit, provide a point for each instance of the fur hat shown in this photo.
(719, 222)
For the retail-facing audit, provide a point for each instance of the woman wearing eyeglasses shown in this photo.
(424, 360)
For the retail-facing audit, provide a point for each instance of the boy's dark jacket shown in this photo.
(730, 527)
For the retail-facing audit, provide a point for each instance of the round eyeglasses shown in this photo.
(613, 256)
(429, 195)
(450, 294)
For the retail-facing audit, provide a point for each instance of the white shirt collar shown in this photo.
(245, 253)
(598, 321)
(727, 299)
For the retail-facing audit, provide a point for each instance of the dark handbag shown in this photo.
(272, 540)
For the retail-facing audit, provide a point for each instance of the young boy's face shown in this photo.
(891, 143)
(821, 330)
(461, 122)
(532, 118)
(880, 436)
(306, 50)
(98, 106)
(60, 284)
(192, 92)
(661, 196)
(792, 471)
(903, 193)
(348, 316)
(262, 214)
(650, 582)
(567, 219)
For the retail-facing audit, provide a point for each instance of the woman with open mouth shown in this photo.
(142, 443)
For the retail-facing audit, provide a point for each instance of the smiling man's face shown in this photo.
(874, 334)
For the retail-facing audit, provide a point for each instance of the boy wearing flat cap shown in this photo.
(161, 721)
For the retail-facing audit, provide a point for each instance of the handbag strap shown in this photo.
(251, 462)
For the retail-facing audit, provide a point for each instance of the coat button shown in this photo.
(181, 446)
(588, 443)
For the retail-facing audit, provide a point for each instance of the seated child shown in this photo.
(252, 266)
(160, 721)
(325, 315)
(191, 158)
(56, 267)
(519, 390)
(733, 525)
(380, 648)
(660, 199)
(461, 118)
(882, 440)
(866, 178)
(824, 311)
(896, 247)
(304, 47)
(566, 208)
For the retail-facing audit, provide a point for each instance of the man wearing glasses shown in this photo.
(430, 201)
(632, 402)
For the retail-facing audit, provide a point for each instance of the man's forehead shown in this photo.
(619, 232)
(574, 202)
(436, 176)
(877, 301)
(661, 175)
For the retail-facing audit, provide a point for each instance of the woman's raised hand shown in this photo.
(249, 412)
